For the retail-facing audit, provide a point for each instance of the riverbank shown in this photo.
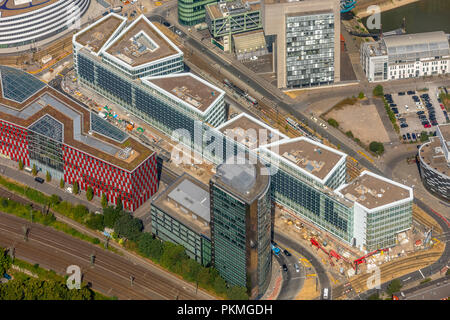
(385, 5)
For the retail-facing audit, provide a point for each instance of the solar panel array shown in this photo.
(18, 85)
(105, 128)
(48, 127)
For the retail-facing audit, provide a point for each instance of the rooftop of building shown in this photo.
(10, 8)
(433, 155)
(245, 181)
(141, 43)
(47, 111)
(250, 132)
(373, 191)
(95, 36)
(419, 44)
(375, 48)
(189, 88)
(445, 132)
(229, 8)
(186, 200)
(310, 156)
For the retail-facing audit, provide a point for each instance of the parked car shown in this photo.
(404, 125)
(297, 269)
(287, 253)
(408, 136)
(427, 125)
(420, 112)
(39, 179)
(392, 105)
(401, 93)
(404, 137)
(285, 268)
(413, 135)
(411, 92)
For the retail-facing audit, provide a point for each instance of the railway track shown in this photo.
(359, 283)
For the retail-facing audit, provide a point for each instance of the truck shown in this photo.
(251, 99)
(201, 26)
(325, 293)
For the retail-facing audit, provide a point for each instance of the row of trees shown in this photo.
(169, 255)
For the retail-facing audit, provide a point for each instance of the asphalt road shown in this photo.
(110, 274)
(292, 280)
(320, 270)
(438, 289)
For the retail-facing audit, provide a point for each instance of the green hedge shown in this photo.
(391, 116)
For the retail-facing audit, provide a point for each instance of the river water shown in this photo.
(421, 16)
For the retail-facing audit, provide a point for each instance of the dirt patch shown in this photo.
(362, 120)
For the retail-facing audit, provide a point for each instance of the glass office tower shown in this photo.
(241, 221)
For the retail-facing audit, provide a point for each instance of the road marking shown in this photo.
(311, 275)
(421, 273)
(365, 156)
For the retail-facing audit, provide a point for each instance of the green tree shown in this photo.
(173, 255)
(111, 215)
(333, 123)
(80, 212)
(349, 134)
(34, 170)
(361, 95)
(128, 227)
(378, 91)
(394, 286)
(104, 201)
(61, 183)
(48, 177)
(423, 136)
(237, 293)
(96, 221)
(150, 247)
(55, 199)
(20, 164)
(75, 188)
(89, 193)
(376, 147)
(5, 262)
(119, 205)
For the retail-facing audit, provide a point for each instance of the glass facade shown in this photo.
(167, 228)
(384, 225)
(191, 12)
(310, 50)
(228, 229)
(46, 153)
(241, 235)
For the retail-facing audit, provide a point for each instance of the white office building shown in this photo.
(406, 56)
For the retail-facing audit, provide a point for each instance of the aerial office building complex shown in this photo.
(25, 22)
(43, 128)
(241, 221)
(434, 159)
(306, 37)
(306, 174)
(140, 69)
(406, 56)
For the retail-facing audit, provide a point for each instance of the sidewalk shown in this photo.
(10, 169)
(274, 288)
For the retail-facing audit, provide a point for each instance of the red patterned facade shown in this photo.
(13, 142)
(133, 187)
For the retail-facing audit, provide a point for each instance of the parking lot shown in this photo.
(417, 112)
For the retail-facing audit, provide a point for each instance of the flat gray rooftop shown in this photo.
(193, 198)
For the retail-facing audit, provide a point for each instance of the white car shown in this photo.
(314, 118)
(406, 107)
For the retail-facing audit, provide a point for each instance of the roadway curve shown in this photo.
(111, 273)
(320, 270)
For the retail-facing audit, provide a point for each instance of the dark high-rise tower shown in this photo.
(241, 216)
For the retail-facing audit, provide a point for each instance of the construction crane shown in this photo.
(330, 254)
(363, 258)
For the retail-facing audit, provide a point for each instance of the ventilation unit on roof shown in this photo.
(124, 153)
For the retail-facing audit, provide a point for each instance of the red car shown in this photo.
(426, 125)
(442, 106)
